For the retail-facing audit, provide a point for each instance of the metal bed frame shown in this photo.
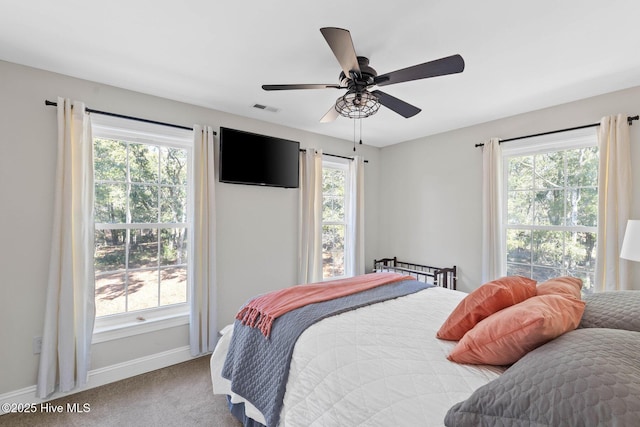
(445, 277)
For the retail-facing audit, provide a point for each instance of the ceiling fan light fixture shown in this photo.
(357, 105)
(358, 77)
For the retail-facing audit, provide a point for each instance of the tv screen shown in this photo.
(249, 158)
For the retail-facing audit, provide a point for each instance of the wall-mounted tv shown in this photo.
(250, 158)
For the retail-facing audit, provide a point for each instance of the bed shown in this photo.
(382, 365)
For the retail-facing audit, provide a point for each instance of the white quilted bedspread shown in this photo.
(380, 365)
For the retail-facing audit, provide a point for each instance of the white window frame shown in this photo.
(562, 141)
(341, 164)
(126, 324)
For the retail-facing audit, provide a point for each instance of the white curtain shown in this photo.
(614, 195)
(493, 251)
(70, 304)
(310, 217)
(356, 211)
(203, 325)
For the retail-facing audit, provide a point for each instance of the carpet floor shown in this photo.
(179, 395)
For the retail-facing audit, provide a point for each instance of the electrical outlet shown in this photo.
(37, 345)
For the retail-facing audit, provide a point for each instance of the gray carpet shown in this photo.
(179, 395)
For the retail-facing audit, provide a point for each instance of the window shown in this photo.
(142, 220)
(551, 206)
(335, 190)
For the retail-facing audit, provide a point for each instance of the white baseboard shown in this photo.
(106, 375)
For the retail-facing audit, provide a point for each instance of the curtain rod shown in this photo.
(304, 150)
(629, 120)
(122, 116)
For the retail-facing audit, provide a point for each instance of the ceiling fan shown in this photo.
(358, 77)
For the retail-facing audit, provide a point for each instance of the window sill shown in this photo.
(107, 332)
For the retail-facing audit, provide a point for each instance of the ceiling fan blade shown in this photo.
(331, 115)
(399, 106)
(341, 44)
(440, 67)
(290, 87)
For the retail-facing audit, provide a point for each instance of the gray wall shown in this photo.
(423, 204)
(257, 226)
(432, 187)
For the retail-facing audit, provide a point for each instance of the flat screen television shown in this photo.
(250, 158)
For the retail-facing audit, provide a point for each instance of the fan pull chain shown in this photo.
(354, 135)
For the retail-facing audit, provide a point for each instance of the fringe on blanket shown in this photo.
(255, 318)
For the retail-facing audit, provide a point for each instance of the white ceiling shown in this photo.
(520, 56)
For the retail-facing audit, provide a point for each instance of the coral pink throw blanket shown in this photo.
(263, 310)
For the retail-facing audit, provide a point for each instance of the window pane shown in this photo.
(549, 207)
(144, 203)
(582, 167)
(521, 173)
(140, 183)
(580, 250)
(333, 208)
(564, 194)
(173, 168)
(542, 274)
(333, 265)
(110, 250)
(110, 203)
(143, 248)
(333, 181)
(173, 204)
(110, 294)
(173, 285)
(547, 248)
(173, 246)
(520, 208)
(143, 163)
(519, 246)
(333, 187)
(333, 250)
(549, 170)
(518, 270)
(582, 207)
(110, 160)
(142, 291)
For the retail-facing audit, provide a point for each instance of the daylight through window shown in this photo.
(335, 187)
(551, 198)
(142, 221)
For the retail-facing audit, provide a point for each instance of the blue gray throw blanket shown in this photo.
(258, 368)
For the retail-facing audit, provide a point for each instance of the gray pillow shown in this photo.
(615, 309)
(586, 377)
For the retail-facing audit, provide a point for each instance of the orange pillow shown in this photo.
(483, 302)
(565, 285)
(506, 336)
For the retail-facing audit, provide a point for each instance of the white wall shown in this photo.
(257, 226)
(432, 186)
